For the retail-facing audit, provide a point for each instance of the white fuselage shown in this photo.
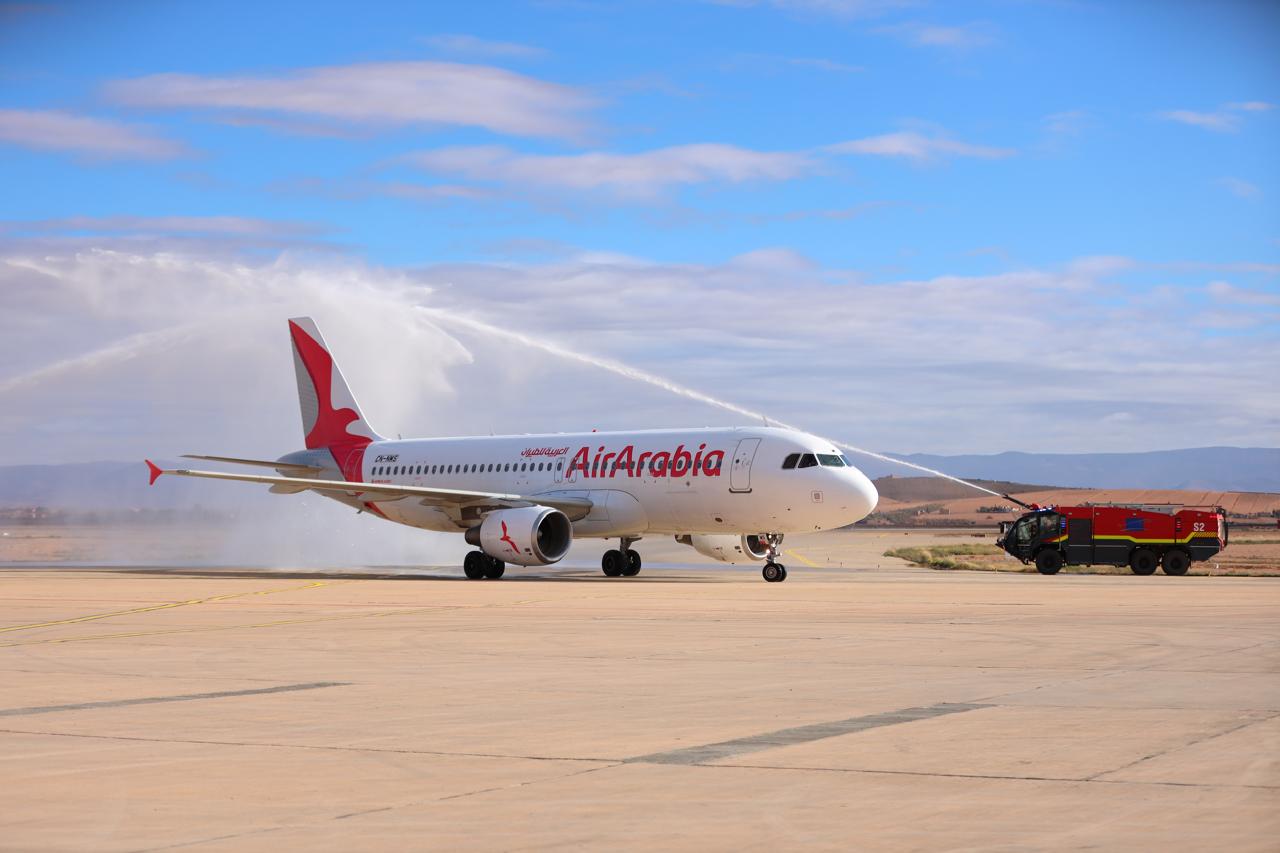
(646, 482)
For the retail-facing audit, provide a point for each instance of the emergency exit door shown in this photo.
(740, 469)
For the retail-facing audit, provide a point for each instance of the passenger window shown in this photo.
(807, 460)
(560, 466)
(790, 461)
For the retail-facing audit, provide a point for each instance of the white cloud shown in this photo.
(1227, 119)
(1066, 123)
(1251, 106)
(466, 45)
(917, 146)
(227, 225)
(381, 94)
(1221, 122)
(639, 175)
(835, 8)
(826, 65)
(114, 354)
(963, 37)
(1224, 291)
(55, 130)
(1239, 187)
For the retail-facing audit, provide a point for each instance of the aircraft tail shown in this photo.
(330, 415)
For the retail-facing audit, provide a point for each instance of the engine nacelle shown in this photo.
(747, 548)
(527, 535)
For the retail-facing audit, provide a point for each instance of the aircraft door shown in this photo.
(740, 468)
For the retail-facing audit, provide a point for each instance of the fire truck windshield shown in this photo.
(1035, 526)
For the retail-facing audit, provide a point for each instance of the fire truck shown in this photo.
(1141, 537)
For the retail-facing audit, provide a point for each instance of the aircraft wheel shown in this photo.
(613, 563)
(1143, 562)
(1175, 562)
(473, 565)
(633, 564)
(774, 572)
(1048, 562)
(494, 569)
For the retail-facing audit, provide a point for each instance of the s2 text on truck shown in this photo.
(1140, 537)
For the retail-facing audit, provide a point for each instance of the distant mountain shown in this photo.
(1239, 469)
(123, 485)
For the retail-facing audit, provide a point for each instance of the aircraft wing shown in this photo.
(575, 508)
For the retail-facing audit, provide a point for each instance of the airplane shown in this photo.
(730, 494)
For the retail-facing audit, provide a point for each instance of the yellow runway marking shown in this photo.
(804, 559)
(154, 607)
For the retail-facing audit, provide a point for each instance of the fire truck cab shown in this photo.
(1139, 536)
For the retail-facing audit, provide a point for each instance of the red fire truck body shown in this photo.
(1141, 537)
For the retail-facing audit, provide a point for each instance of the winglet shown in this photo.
(156, 471)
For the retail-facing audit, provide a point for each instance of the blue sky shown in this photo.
(975, 164)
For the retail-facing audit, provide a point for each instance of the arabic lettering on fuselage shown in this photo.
(530, 452)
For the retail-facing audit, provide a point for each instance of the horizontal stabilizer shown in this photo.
(260, 463)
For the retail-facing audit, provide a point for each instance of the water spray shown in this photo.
(667, 385)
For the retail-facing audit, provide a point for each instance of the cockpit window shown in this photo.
(847, 463)
(807, 460)
(830, 460)
(790, 461)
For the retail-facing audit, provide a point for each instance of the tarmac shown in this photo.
(870, 706)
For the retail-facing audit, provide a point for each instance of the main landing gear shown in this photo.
(478, 564)
(622, 562)
(773, 571)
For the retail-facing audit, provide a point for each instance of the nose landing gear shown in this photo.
(773, 571)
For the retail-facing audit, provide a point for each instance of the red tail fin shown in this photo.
(156, 471)
(330, 415)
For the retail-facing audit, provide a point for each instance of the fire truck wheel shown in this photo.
(1048, 562)
(1143, 562)
(1175, 562)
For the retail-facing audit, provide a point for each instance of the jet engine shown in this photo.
(527, 536)
(747, 548)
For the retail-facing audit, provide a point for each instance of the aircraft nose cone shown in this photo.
(863, 496)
